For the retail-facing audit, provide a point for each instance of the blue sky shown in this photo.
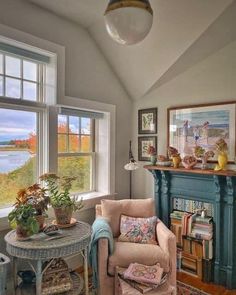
(198, 118)
(16, 124)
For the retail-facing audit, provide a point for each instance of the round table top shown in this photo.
(40, 246)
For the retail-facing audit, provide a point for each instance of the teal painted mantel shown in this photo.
(215, 187)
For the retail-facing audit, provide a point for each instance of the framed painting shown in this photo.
(202, 125)
(147, 121)
(143, 143)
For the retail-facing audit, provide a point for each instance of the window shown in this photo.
(22, 112)
(18, 152)
(20, 78)
(76, 154)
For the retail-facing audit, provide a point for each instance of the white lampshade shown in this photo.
(128, 22)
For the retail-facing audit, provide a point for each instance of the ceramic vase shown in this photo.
(153, 160)
(176, 161)
(222, 160)
(204, 163)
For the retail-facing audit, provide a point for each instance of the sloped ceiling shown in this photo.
(183, 33)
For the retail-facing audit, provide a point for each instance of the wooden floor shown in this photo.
(209, 288)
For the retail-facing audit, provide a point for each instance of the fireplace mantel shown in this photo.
(210, 186)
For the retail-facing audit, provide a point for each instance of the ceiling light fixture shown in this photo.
(128, 21)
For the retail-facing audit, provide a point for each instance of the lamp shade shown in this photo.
(128, 22)
(132, 165)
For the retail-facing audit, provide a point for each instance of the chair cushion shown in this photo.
(136, 208)
(138, 229)
(126, 253)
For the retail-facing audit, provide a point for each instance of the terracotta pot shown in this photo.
(40, 219)
(63, 215)
(22, 232)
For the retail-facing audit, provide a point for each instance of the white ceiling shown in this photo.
(183, 32)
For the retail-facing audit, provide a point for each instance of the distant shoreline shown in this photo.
(3, 149)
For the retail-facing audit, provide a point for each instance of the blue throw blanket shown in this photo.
(100, 229)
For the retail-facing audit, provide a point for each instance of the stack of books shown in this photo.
(194, 235)
(142, 277)
(191, 206)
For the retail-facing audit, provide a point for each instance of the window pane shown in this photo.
(13, 66)
(18, 148)
(13, 88)
(74, 124)
(30, 70)
(1, 64)
(79, 167)
(30, 91)
(86, 143)
(1, 86)
(62, 143)
(73, 143)
(86, 125)
(62, 124)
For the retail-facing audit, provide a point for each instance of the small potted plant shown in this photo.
(221, 149)
(23, 219)
(59, 192)
(151, 151)
(201, 154)
(38, 198)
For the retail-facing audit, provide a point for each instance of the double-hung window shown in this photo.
(22, 112)
(76, 148)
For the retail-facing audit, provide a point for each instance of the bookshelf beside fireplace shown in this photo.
(213, 187)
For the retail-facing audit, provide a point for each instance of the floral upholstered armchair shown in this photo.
(162, 251)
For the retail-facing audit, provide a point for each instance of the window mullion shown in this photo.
(4, 72)
(21, 78)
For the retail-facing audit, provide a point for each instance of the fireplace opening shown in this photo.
(192, 223)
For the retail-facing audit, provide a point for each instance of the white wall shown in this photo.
(87, 73)
(212, 80)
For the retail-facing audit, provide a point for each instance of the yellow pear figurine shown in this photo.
(221, 147)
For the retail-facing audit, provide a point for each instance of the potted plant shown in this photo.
(38, 198)
(201, 154)
(59, 192)
(152, 153)
(23, 219)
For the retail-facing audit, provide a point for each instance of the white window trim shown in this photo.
(105, 142)
(55, 91)
(55, 70)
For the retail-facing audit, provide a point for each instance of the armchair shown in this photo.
(125, 252)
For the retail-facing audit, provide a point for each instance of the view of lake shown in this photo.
(11, 160)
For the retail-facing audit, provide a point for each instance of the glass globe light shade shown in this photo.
(132, 165)
(128, 25)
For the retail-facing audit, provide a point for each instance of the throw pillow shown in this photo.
(138, 230)
(113, 209)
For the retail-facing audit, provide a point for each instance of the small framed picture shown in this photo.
(143, 143)
(147, 121)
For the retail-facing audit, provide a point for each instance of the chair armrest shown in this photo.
(167, 242)
(98, 210)
(106, 282)
(102, 257)
(165, 237)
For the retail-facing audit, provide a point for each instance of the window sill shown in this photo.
(89, 200)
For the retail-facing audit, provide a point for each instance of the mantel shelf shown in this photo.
(194, 170)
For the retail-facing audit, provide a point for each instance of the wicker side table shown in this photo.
(39, 249)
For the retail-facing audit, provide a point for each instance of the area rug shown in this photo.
(184, 289)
